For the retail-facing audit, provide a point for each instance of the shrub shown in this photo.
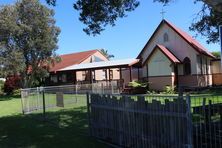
(152, 92)
(138, 87)
(17, 92)
(1, 86)
(136, 84)
(11, 84)
(169, 90)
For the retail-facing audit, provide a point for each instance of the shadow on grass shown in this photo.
(26, 131)
(9, 97)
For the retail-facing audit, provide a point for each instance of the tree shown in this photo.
(28, 41)
(106, 54)
(216, 54)
(97, 14)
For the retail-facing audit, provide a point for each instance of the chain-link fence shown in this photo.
(61, 104)
(45, 98)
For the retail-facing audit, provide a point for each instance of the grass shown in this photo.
(10, 105)
(69, 128)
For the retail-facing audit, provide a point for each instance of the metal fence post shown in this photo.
(43, 101)
(22, 95)
(189, 122)
(88, 112)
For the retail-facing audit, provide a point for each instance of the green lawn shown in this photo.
(10, 105)
(68, 127)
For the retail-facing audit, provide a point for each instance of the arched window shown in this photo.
(187, 66)
(165, 37)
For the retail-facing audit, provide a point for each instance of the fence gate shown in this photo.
(141, 121)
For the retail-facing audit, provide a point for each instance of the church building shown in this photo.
(171, 57)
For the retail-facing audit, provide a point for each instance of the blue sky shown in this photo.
(130, 34)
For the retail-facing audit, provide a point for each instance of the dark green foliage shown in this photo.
(51, 2)
(169, 90)
(97, 14)
(136, 84)
(106, 54)
(216, 54)
(138, 87)
(207, 21)
(1, 87)
(28, 40)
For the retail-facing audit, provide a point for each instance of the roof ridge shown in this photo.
(93, 50)
(170, 51)
(196, 44)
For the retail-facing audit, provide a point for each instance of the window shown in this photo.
(63, 77)
(54, 78)
(200, 64)
(187, 66)
(165, 37)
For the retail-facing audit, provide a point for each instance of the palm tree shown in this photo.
(106, 54)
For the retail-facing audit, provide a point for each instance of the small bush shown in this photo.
(136, 84)
(138, 87)
(11, 84)
(17, 92)
(152, 92)
(1, 86)
(169, 90)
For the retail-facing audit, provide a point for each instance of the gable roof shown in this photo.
(72, 59)
(166, 52)
(191, 41)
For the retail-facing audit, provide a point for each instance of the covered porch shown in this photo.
(117, 73)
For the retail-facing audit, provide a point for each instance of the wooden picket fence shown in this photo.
(140, 121)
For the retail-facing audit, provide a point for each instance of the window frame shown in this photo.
(187, 66)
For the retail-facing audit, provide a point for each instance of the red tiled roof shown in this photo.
(72, 59)
(166, 52)
(191, 41)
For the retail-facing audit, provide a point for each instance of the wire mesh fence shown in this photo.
(207, 121)
(49, 98)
